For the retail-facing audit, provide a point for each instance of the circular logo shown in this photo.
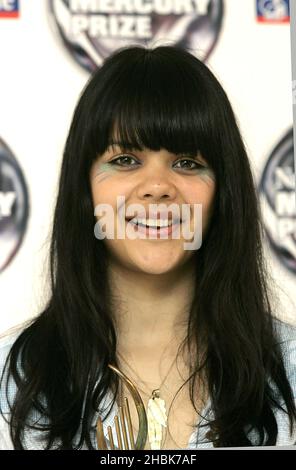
(278, 198)
(273, 9)
(14, 207)
(92, 29)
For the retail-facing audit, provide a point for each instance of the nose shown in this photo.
(156, 188)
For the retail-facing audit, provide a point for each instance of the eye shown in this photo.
(124, 160)
(192, 162)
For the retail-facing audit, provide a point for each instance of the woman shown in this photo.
(192, 328)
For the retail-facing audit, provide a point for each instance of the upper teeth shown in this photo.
(153, 222)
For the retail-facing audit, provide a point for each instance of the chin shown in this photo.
(156, 261)
(155, 267)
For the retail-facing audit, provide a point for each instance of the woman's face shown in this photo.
(150, 178)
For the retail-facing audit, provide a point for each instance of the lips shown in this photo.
(140, 223)
(159, 216)
(148, 231)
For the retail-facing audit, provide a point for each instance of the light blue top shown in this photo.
(197, 440)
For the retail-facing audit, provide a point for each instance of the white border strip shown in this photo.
(293, 62)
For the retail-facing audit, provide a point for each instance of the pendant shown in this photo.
(157, 419)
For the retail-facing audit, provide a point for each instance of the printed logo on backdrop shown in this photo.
(278, 198)
(92, 29)
(9, 9)
(273, 11)
(14, 207)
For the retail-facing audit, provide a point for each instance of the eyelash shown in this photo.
(186, 159)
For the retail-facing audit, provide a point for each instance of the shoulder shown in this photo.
(286, 334)
(285, 331)
(7, 339)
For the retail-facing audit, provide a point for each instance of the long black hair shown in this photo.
(157, 98)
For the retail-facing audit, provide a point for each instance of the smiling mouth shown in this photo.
(166, 229)
(156, 225)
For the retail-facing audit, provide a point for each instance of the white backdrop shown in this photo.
(39, 85)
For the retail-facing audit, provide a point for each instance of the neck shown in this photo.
(150, 311)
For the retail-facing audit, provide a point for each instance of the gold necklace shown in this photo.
(156, 410)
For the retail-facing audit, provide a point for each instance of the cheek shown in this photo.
(102, 193)
(107, 187)
(101, 177)
(200, 193)
(203, 192)
(207, 207)
(208, 202)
